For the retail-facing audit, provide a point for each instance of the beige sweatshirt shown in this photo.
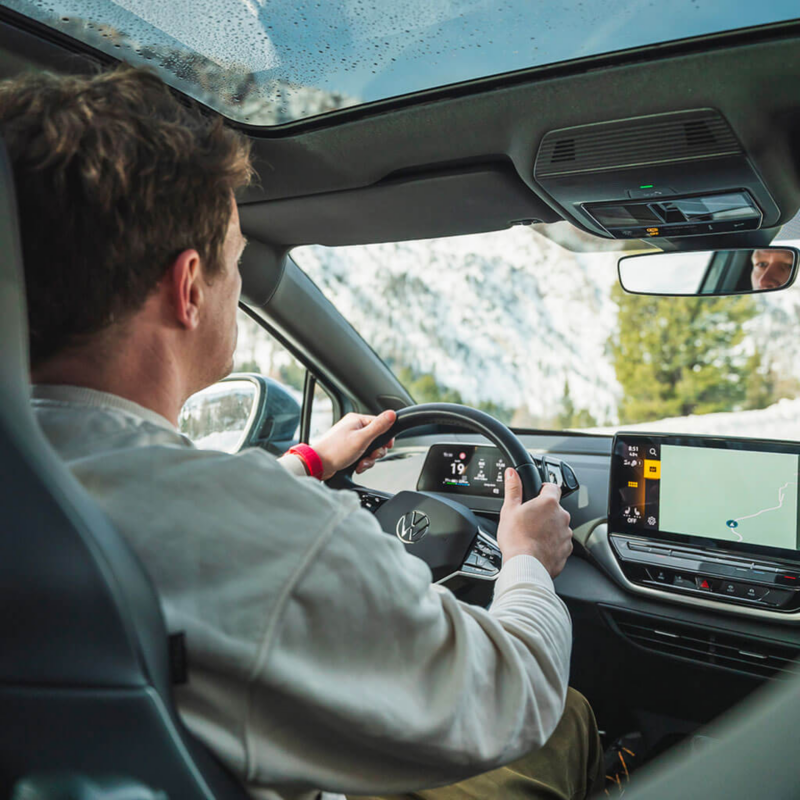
(321, 656)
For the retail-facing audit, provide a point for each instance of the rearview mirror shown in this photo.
(242, 410)
(709, 272)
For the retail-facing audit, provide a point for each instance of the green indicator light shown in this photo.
(649, 186)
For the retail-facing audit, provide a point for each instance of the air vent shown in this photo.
(636, 142)
(564, 150)
(759, 657)
(699, 135)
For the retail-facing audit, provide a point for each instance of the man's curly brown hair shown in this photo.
(114, 179)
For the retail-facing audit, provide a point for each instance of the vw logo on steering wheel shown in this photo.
(412, 527)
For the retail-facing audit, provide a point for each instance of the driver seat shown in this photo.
(85, 682)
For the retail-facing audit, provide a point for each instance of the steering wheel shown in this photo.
(442, 532)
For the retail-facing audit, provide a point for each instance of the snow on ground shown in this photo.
(778, 421)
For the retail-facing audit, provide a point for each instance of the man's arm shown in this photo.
(345, 442)
(377, 681)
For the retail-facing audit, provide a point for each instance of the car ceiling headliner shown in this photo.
(391, 175)
(460, 160)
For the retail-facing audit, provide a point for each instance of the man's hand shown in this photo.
(537, 528)
(347, 440)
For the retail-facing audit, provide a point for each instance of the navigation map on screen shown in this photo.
(736, 495)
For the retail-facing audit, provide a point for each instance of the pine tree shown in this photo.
(676, 356)
(566, 415)
(761, 380)
(571, 417)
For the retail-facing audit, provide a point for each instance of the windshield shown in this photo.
(544, 338)
(268, 63)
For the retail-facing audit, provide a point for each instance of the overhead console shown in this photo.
(661, 176)
(711, 517)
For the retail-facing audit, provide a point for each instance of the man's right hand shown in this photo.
(537, 528)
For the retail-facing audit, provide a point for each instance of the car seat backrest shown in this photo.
(84, 671)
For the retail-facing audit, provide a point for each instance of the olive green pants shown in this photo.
(568, 767)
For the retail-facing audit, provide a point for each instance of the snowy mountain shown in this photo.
(506, 317)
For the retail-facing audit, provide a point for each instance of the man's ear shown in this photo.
(184, 284)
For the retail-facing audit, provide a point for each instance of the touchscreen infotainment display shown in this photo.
(740, 493)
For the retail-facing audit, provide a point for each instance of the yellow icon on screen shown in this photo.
(633, 484)
(652, 470)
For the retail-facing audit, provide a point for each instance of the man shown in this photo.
(320, 655)
(771, 269)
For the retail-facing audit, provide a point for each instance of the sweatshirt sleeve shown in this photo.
(375, 680)
(293, 465)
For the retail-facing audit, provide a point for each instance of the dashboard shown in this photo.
(701, 521)
(645, 608)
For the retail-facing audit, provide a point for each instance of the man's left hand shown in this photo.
(347, 440)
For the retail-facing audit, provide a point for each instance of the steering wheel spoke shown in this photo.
(484, 559)
(372, 499)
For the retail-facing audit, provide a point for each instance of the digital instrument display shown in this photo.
(463, 469)
(739, 494)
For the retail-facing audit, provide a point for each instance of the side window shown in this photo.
(321, 412)
(221, 416)
(259, 352)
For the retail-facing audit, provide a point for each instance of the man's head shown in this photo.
(124, 195)
(771, 268)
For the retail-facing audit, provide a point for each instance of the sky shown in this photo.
(374, 49)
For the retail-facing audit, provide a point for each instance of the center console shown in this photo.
(708, 517)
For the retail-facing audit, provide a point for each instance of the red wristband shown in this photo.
(308, 455)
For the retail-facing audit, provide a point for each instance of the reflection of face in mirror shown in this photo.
(713, 273)
(771, 269)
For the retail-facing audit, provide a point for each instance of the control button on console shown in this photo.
(706, 584)
(788, 579)
(762, 575)
(683, 581)
(650, 191)
(751, 592)
(742, 572)
(659, 575)
(729, 588)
